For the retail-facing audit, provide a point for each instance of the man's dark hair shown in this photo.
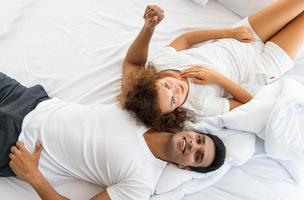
(220, 155)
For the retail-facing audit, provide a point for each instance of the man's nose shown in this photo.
(191, 146)
(194, 146)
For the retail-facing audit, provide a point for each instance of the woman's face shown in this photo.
(172, 93)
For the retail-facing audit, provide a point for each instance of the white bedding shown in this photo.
(75, 48)
(275, 114)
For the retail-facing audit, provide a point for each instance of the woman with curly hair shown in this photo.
(209, 80)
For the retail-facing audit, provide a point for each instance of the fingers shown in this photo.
(153, 13)
(19, 149)
(154, 7)
(12, 165)
(193, 69)
(15, 150)
(38, 148)
(16, 154)
(198, 70)
(248, 35)
(244, 34)
(15, 167)
(190, 74)
(154, 19)
(15, 158)
(153, 10)
(197, 75)
(198, 81)
(247, 40)
(187, 71)
(20, 146)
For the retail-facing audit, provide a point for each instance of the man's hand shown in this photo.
(242, 34)
(25, 164)
(153, 16)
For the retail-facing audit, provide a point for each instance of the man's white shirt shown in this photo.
(101, 144)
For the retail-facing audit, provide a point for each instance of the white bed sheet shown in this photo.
(75, 48)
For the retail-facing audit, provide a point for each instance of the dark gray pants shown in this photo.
(16, 101)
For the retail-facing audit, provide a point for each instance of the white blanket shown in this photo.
(284, 134)
(276, 115)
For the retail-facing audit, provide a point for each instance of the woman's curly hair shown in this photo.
(141, 100)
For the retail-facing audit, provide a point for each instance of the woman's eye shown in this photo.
(167, 86)
(173, 100)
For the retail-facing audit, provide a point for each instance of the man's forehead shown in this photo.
(189, 132)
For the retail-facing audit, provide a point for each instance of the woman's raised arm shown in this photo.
(137, 54)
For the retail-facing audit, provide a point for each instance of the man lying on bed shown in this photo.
(100, 144)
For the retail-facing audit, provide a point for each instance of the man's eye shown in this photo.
(167, 86)
(199, 140)
(196, 157)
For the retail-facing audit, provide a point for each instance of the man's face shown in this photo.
(188, 148)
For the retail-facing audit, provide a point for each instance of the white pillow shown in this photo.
(240, 147)
(245, 8)
(252, 116)
(192, 186)
(201, 2)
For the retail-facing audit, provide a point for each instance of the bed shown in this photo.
(75, 49)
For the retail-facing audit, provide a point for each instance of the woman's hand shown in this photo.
(243, 34)
(25, 164)
(201, 75)
(153, 16)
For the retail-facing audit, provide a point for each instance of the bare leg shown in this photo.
(291, 37)
(268, 21)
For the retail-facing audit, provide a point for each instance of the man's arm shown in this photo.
(47, 192)
(44, 189)
(25, 165)
(137, 54)
(187, 40)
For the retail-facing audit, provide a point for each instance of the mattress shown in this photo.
(75, 49)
